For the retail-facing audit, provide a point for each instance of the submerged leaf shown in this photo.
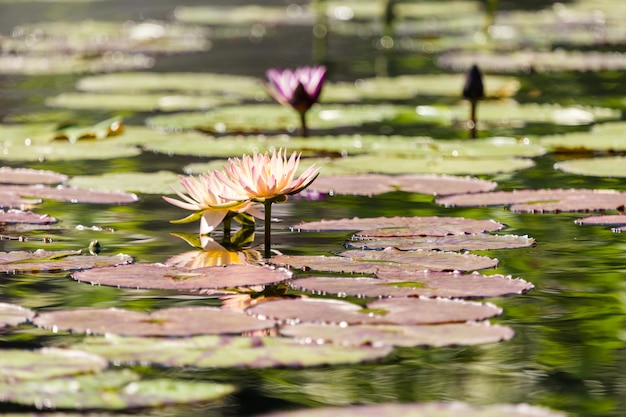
(174, 321)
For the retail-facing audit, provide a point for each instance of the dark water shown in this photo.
(568, 353)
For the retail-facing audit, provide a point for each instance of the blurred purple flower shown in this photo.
(299, 88)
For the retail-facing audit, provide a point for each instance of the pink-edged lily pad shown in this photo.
(159, 276)
(443, 409)
(389, 259)
(213, 351)
(543, 200)
(9, 199)
(12, 314)
(42, 364)
(10, 175)
(407, 311)
(452, 334)
(174, 321)
(430, 226)
(416, 283)
(42, 260)
(70, 195)
(606, 220)
(372, 184)
(398, 239)
(19, 216)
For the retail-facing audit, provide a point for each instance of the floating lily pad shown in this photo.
(46, 363)
(431, 409)
(19, 216)
(65, 151)
(12, 315)
(42, 260)
(272, 118)
(244, 15)
(10, 175)
(370, 261)
(227, 352)
(159, 276)
(112, 390)
(437, 165)
(402, 311)
(91, 37)
(596, 167)
(429, 226)
(416, 283)
(544, 200)
(72, 64)
(607, 137)
(372, 184)
(100, 130)
(606, 220)
(453, 334)
(175, 321)
(526, 61)
(402, 238)
(160, 182)
(70, 195)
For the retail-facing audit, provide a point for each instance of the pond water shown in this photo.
(568, 352)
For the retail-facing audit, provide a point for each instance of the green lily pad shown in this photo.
(10, 175)
(596, 167)
(159, 276)
(227, 352)
(427, 225)
(72, 64)
(174, 321)
(12, 315)
(43, 364)
(19, 216)
(608, 137)
(244, 15)
(101, 130)
(543, 200)
(42, 260)
(112, 390)
(400, 311)
(432, 409)
(398, 239)
(160, 182)
(453, 334)
(65, 151)
(135, 102)
(272, 118)
(416, 283)
(93, 37)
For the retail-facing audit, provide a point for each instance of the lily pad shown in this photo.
(42, 364)
(70, 194)
(432, 409)
(65, 151)
(227, 352)
(160, 182)
(605, 220)
(608, 137)
(437, 165)
(174, 321)
(389, 259)
(401, 311)
(159, 276)
(372, 184)
(416, 283)
(10, 175)
(596, 167)
(112, 390)
(244, 15)
(272, 118)
(42, 260)
(19, 216)
(429, 226)
(453, 334)
(72, 64)
(543, 200)
(106, 128)
(12, 315)
(402, 238)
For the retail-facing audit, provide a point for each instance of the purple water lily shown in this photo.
(299, 88)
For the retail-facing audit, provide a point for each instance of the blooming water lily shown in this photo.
(299, 88)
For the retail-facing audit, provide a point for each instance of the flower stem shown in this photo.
(304, 129)
(226, 223)
(268, 228)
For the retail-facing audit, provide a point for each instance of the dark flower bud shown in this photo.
(473, 89)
